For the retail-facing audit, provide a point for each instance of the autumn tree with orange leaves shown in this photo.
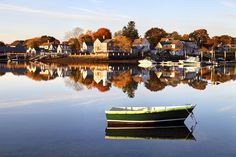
(102, 34)
(122, 43)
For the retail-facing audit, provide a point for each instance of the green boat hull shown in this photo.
(148, 119)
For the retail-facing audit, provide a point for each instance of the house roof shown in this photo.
(165, 43)
(166, 39)
(107, 41)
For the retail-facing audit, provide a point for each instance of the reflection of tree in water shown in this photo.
(198, 84)
(122, 79)
(101, 87)
(130, 89)
(72, 84)
(125, 81)
(77, 76)
(154, 83)
(37, 76)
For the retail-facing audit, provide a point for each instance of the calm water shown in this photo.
(59, 111)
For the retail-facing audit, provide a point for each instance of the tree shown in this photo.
(175, 35)
(17, 42)
(130, 31)
(154, 83)
(122, 43)
(85, 38)
(46, 39)
(200, 36)
(36, 42)
(75, 33)
(102, 34)
(154, 36)
(225, 39)
(2, 43)
(74, 44)
(118, 33)
(185, 37)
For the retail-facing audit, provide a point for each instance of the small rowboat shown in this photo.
(147, 116)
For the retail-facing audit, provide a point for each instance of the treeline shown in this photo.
(126, 36)
(34, 42)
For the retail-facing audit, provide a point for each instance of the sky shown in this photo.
(23, 19)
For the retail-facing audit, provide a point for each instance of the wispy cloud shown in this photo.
(84, 15)
(72, 99)
(100, 13)
(228, 3)
(82, 10)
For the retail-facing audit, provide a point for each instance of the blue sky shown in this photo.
(22, 19)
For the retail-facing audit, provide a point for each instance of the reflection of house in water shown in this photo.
(31, 68)
(63, 72)
(190, 73)
(100, 75)
(87, 73)
(126, 77)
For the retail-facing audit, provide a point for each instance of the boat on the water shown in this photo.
(147, 116)
(180, 132)
(146, 63)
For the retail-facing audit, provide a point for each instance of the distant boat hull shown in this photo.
(160, 116)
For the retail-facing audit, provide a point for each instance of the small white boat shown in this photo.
(146, 63)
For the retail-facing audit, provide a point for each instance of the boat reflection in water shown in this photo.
(180, 132)
(149, 123)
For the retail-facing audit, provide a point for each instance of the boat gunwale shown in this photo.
(147, 111)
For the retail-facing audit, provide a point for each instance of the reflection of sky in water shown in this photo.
(46, 118)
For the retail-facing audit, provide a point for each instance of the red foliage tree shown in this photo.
(102, 34)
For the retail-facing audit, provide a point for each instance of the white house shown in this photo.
(103, 47)
(34, 51)
(50, 47)
(87, 47)
(31, 50)
(64, 49)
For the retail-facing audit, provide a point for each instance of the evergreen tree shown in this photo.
(130, 31)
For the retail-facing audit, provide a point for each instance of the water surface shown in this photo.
(59, 111)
